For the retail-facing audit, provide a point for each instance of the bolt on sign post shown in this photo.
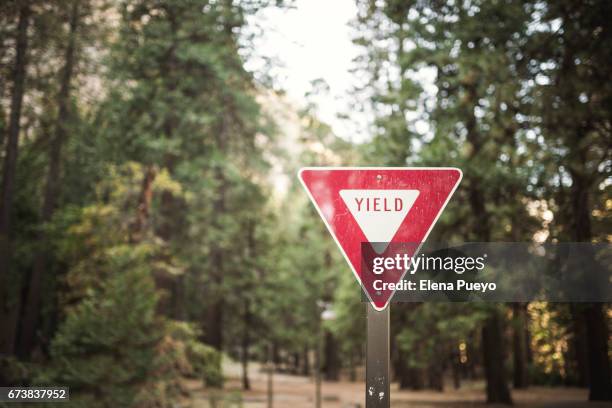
(366, 209)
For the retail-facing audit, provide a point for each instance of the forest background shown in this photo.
(151, 224)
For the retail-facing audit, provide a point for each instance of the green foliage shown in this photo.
(434, 331)
(515, 94)
(113, 348)
(15, 371)
(201, 360)
(106, 351)
(349, 324)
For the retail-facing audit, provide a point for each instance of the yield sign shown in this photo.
(367, 208)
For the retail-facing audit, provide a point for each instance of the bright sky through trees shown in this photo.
(313, 40)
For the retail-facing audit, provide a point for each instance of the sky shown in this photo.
(312, 40)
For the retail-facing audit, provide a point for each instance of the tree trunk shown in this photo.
(9, 311)
(332, 362)
(600, 387)
(305, 362)
(435, 374)
(400, 370)
(415, 378)
(295, 363)
(519, 343)
(455, 363)
(492, 346)
(276, 358)
(143, 206)
(578, 351)
(529, 351)
(352, 367)
(179, 308)
(407, 378)
(436, 368)
(493, 351)
(213, 334)
(244, 355)
(29, 321)
(474, 357)
(493, 359)
(214, 326)
(600, 377)
(143, 210)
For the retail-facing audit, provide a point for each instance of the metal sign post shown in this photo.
(377, 358)
(378, 205)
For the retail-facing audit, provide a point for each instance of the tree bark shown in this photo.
(143, 213)
(352, 367)
(276, 357)
(246, 341)
(600, 387)
(332, 362)
(493, 360)
(493, 351)
(529, 351)
(578, 349)
(295, 363)
(435, 374)
(415, 379)
(213, 335)
(474, 357)
(9, 312)
(305, 362)
(519, 343)
(408, 378)
(455, 363)
(597, 336)
(214, 325)
(436, 367)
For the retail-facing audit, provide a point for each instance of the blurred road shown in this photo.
(298, 392)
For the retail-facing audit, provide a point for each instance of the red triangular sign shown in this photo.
(379, 206)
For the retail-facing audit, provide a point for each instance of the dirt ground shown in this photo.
(299, 392)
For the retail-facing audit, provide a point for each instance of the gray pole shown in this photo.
(377, 358)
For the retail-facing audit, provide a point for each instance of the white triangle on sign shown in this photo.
(379, 213)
